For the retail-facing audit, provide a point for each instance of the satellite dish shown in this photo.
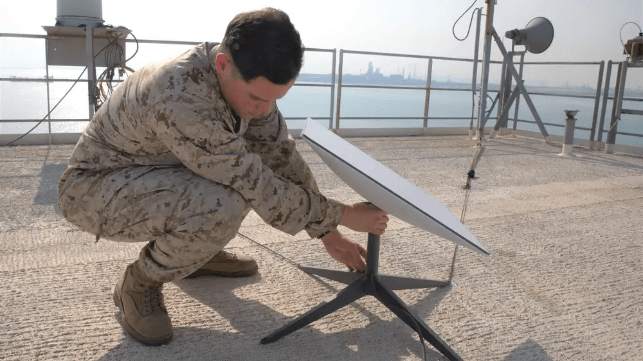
(386, 189)
(536, 37)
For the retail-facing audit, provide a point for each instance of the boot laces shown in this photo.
(153, 298)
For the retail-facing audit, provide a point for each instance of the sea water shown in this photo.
(22, 100)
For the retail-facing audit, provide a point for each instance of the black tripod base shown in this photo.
(369, 283)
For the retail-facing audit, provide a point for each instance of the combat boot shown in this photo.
(226, 264)
(143, 314)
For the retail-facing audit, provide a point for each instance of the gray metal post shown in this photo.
(427, 99)
(339, 89)
(508, 79)
(332, 91)
(91, 69)
(596, 104)
(505, 111)
(570, 124)
(520, 68)
(48, 96)
(618, 104)
(503, 94)
(474, 78)
(486, 58)
(617, 88)
(606, 93)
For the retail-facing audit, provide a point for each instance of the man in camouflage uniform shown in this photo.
(183, 150)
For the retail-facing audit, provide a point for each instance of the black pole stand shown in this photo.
(373, 284)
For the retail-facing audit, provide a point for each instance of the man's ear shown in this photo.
(222, 63)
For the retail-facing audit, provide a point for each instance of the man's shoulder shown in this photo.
(187, 72)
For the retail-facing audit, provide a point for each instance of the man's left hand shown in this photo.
(345, 251)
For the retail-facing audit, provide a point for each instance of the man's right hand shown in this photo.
(364, 217)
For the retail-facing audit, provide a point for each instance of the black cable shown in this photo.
(114, 60)
(416, 329)
(43, 119)
(470, 22)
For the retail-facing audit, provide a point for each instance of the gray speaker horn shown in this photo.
(536, 36)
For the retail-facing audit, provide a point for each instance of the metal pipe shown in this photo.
(618, 104)
(372, 258)
(502, 98)
(314, 85)
(29, 36)
(91, 69)
(608, 149)
(405, 55)
(592, 133)
(332, 92)
(606, 93)
(504, 112)
(474, 77)
(339, 88)
(48, 95)
(427, 99)
(520, 69)
(485, 68)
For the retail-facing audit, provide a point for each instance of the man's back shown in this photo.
(122, 132)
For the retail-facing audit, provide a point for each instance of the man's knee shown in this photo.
(208, 212)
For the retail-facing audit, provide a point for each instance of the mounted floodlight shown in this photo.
(386, 189)
(536, 37)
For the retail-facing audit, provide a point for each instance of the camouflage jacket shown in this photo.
(173, 113)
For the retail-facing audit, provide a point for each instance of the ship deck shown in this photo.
(562, 282)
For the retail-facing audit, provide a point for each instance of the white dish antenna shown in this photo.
(386, 189)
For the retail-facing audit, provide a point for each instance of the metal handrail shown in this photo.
(48, 80)
(429, 88)
(335, 104)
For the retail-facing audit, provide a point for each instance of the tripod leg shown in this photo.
(405, 283)
(339, 276)
(341, 299)
(399, 308)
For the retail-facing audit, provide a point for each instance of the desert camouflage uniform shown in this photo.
(165, 161)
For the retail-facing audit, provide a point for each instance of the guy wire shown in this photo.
(270, 250)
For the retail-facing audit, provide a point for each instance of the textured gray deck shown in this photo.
(563, 282)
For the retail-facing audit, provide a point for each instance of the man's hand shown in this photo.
(364, 217)
(345, 251)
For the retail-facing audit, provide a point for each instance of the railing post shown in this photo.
(91, 69)
(486, 58)
(332, 91)
(520, 68)
(606, 93)
(592, 133)
(48, 96)
(339, 89)
(616, 111)
(427, 99)
(474, 77)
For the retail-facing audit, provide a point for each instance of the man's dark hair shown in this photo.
(265, 43)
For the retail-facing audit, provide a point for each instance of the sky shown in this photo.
(585, 30)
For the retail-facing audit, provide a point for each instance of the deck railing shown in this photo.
(334, 117)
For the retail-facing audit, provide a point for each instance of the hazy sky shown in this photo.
(585, 30)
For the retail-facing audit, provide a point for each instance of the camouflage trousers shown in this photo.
(184, 218)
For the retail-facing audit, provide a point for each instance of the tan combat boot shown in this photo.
(143, 314)
(226, 264)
